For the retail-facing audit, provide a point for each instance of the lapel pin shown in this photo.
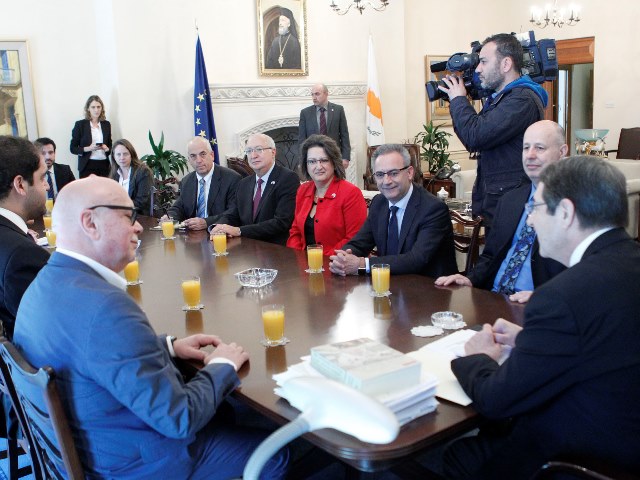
(273, 182)
(333, 195)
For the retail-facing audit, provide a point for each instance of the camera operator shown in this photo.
(496, 132)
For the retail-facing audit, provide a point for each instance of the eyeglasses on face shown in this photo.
(312, 162)
(393, 174)
(258, 150)
(529, 208)
(134, 213)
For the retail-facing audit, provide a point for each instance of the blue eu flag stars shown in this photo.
(203, 123)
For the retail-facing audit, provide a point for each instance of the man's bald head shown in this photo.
(201, 156)
(103, 234)
(543, 143)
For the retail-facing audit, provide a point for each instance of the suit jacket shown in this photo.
(81, 137)
(221, 199)
(426, 237)
(339, 215)
(505, 222)
(140, 183)
(131, 413)
(336, 126)
(275, 211)
(20, 261)
(572, 381)
(63, 175)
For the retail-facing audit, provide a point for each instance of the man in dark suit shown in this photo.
(325, 118)
(131, 413)
(572, 382)
(207, 194)
(265, 203)
(410, 227)
(23, 191)
(58, 174)
(544, 143)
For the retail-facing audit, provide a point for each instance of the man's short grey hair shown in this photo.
(390, 148)
(266, 138)
(202, 140)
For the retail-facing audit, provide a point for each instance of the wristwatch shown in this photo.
(362, 271)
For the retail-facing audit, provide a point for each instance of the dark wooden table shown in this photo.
(320, 309)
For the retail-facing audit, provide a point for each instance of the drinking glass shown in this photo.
(191, 294)
(273, 323)
(314, 258)
(168, 229)
(132, 273)
(220, 244)
(380, 278)
(49, 205)
(47, 222)
(51, 238)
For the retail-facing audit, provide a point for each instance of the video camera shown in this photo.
(539, 62)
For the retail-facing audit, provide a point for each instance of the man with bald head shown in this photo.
(325, 118)
(265, 202)
(206, 194)
(498, 267)
(131, 413)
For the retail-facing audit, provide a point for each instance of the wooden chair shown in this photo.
(37, 405)
(628, 144)
(10, 430)
(414, 153)
(240, 165)
(467, 243)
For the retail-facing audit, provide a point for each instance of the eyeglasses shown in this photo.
(393, 174)
(134, 213)
(258, 150)
(529, 208)
(312, 162)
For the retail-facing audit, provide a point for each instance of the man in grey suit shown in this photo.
(325, 118)
(206, 194)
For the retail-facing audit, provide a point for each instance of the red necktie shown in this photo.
(323, 121)
(257, 197)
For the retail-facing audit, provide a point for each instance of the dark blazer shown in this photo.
(221, 199)
(503, 229)
(275, 211)
(140, 185)
(20, 261)
(572, 381)
(63, 175)
(336, 126)
(426, 236)
(81, 137)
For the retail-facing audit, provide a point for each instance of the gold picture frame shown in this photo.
(17, 104)
(437, 111)
(282, 55)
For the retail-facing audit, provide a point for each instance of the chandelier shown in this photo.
(554, 16)
(360, 5)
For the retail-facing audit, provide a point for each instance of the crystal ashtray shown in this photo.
(591, 134)
(256, 277)
(447, 320)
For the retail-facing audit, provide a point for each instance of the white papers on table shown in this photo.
(42, 241)
(407, 404)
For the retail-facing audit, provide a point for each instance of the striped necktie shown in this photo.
(50, 182)
(202, 211)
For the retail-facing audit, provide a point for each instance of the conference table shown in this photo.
(320, 308)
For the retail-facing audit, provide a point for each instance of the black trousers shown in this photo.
(100, 168)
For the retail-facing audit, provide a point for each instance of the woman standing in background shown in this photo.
(91, 140)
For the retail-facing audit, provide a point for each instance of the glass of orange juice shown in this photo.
(314, 258)
(380, 277)
(273, 323)
(132, 273)
(219, 244)
(168, 229)
(51, 238)
(47, 221)
(49, 205)
(191, 294)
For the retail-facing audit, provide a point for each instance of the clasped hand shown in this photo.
(344, 263)
(492, 339)
(188, 348)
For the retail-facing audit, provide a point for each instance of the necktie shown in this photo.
(323, 121)
(521, 251)
(392, 233)
(257, 197)
(202, 211)
(50, 182)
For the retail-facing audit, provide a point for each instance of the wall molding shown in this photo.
(234, 93)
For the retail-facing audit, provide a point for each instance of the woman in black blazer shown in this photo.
(132, 174)
(91, 139)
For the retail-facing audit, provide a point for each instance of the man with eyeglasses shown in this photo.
(265, 202)
(511, 262)
(571, 385)
(23, 191)
(206, 194)
(409, 226)
(131, 413)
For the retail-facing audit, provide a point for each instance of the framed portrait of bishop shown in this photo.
(282, 37)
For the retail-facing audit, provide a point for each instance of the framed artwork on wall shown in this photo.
(17, 106)
(282, 37)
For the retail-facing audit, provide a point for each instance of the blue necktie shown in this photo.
(521, 251)
(392, 233)
(50, 192)
(202, 211)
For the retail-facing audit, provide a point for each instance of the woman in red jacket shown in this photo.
(329, 210)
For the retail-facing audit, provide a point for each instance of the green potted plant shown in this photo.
(433, 144)
(165, 165)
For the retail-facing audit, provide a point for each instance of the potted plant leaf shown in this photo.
(433, 144)
(165, 165)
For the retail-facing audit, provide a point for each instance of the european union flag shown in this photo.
(203, 123)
